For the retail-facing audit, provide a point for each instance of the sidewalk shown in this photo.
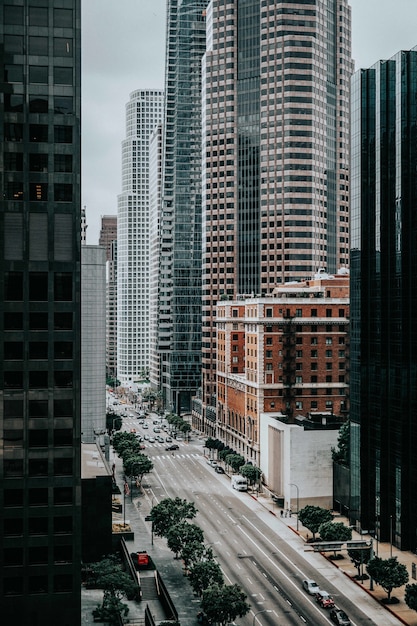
(383, 550)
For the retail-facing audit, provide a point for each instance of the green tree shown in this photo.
(108, 575)
(335, 531)
(137, 465)
(359, 558)
(205, 574)
(182, 534)
(341, 454)
(113, 421)
(235, 461)
(170, 511)
(224, 604)
(312, 517)
(185, 428)
(388, 573)
(411, 596)
(251, 472)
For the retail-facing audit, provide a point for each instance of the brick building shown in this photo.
(286, 355)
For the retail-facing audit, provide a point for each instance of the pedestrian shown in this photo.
(289, 512)
(282, 513)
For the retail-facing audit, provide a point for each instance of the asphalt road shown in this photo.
(252, 546)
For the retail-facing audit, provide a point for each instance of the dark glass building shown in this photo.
(40, 496)
(383, 379)
(179, 307)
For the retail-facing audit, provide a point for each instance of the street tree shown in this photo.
(205, 574)
(251, 472)
(137, 465)
(185, 428)
(341, 454)
(335, 531)
(223, 604)
(235, 461)
(411, 596)
(182, 534)
(360, 558)
(108, 575)
(113, 421)
(170, 511)
(312, 517)
(388, 573)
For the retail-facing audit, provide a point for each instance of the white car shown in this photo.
(311, 586)
(151, 439)
(212, 462)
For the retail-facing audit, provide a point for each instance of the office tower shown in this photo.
(93, 349)
(384, 300)
(40, 265)
(143, 113)
(276, 150)
(155, 188)
(108, 238)
(179, 320)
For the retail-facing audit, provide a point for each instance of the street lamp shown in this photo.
(298, 499)
(263, 611)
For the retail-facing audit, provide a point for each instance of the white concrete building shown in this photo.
(143, 113)
(296, 461)
(93, 342)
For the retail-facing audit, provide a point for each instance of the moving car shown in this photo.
(324, 599)
(311, 586)
(145, 426)
(339, 617)
(172, 447)
(218, 469)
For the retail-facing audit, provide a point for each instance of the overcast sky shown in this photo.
(123, 50)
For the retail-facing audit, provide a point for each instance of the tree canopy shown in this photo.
(411, 596)
(171, 511)
(205, 574)
(223, 604)
(341, 454)
(182, 534)
(137, 465)
(235, 461)
(388, 573)
(335, 531)
(251, 472)
(359, 557)
(312, 517)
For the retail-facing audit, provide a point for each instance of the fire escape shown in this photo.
(288, 365)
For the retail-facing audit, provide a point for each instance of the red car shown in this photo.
(325, 600)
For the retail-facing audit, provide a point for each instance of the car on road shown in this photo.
(151, 439)
(146, 436)
(218, 469)
(311, 586)
(131, 415)
(160, 439)
(145, 426)
(324, 599)
(141, 421)
(168, 438)
(172, 447)
(212, 462)
(339, 617)
(156, 429)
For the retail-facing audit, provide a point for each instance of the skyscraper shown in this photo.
(276, 152)
(179, 319)
(383, 385)
(143, 113)
(108, 238)
(40, 265)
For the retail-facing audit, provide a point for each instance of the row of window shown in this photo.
(38, 133)
(38, 496)
(38, 321)
(17, 44)
(38, 74)
(13, 468)
(37, 16)
(14, 409)
(38, 192)
(13, 586)
(39, 350)
(38, 380)
(38, 287)
(38, 103)
(13, 162)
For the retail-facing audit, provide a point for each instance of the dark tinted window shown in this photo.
(38, 286)
(38, 192)
(62, 47)
(38, 162)
(13, 132)
(63, 287)
(63, 134)
(13, 102)
(13, 73)
(13, 44)
(63, 163)
(63, 104)
(38, 350)
(63, 75)
(38, 380)
(38, 74)
(13, 286)
(13, 161)
(13, 15)
(38, 104)
(63, 18)
(38, 132)
(38, 45)
(13, 321)
(38, 16)
(38, 321)
(62, 192)
(63, 321)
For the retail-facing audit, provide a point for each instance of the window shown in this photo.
(38, 584)
(341, 354)
(38, 467)
(62, 47)
(63, 163)
(38, 162)
(38, 16)
(13, 321)
(38, 380)
(298, 312)
(63, 287)
(38, 438)
(63, 437)
(314, 354)
(38, 321)
(268, 354)
(38, 104)
(38, 350)
(329, 354)
(314, 404)
(268, 341)
(13, 102)
(328, 312)
(63, 495)
(63, 379)
(313, 366)
(38, 45)
(13, 44)
(13, 286)
(38, 286)
(13, 161)
(38, 132)
(13, 15)
(298, 405)
(268, 312)
(313, 341)
(63, 467)
(329, 341)
(38, 192)
(38, 74)
(341, 312)
(63, 104)
(63, 192)
(63, 18)
(13, 132)
(63, 321)
(13, 468)
(13, 350)
(13, 73)
(329, 378)
(313, 312)
(38, 408)
(329, 366)
(63, 350)
(63, 134)
(298, 380)
(62, 75)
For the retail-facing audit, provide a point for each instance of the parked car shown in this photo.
(146, 436)
(160, 439)
(179, 438)
(145, 426)
(151, 439)
(218, 469)
(212, 462)
(311, 586)
(141, 421)
(168, 438)
(156, 429)
(339, 617)
(324, 599)
(172, 447)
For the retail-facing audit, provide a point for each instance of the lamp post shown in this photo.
(263, 611)
(298, 499)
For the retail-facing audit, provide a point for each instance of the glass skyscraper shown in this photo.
(40, 265)
(383, 380)
(179, 317)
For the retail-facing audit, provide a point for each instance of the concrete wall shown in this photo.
(291, 454)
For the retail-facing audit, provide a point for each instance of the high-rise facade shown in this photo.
(383, 383)
(108, 239)
(40, 300)
(179, 318)
(275, 150)
(143, 113)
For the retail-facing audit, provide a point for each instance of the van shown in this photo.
(239, 483)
